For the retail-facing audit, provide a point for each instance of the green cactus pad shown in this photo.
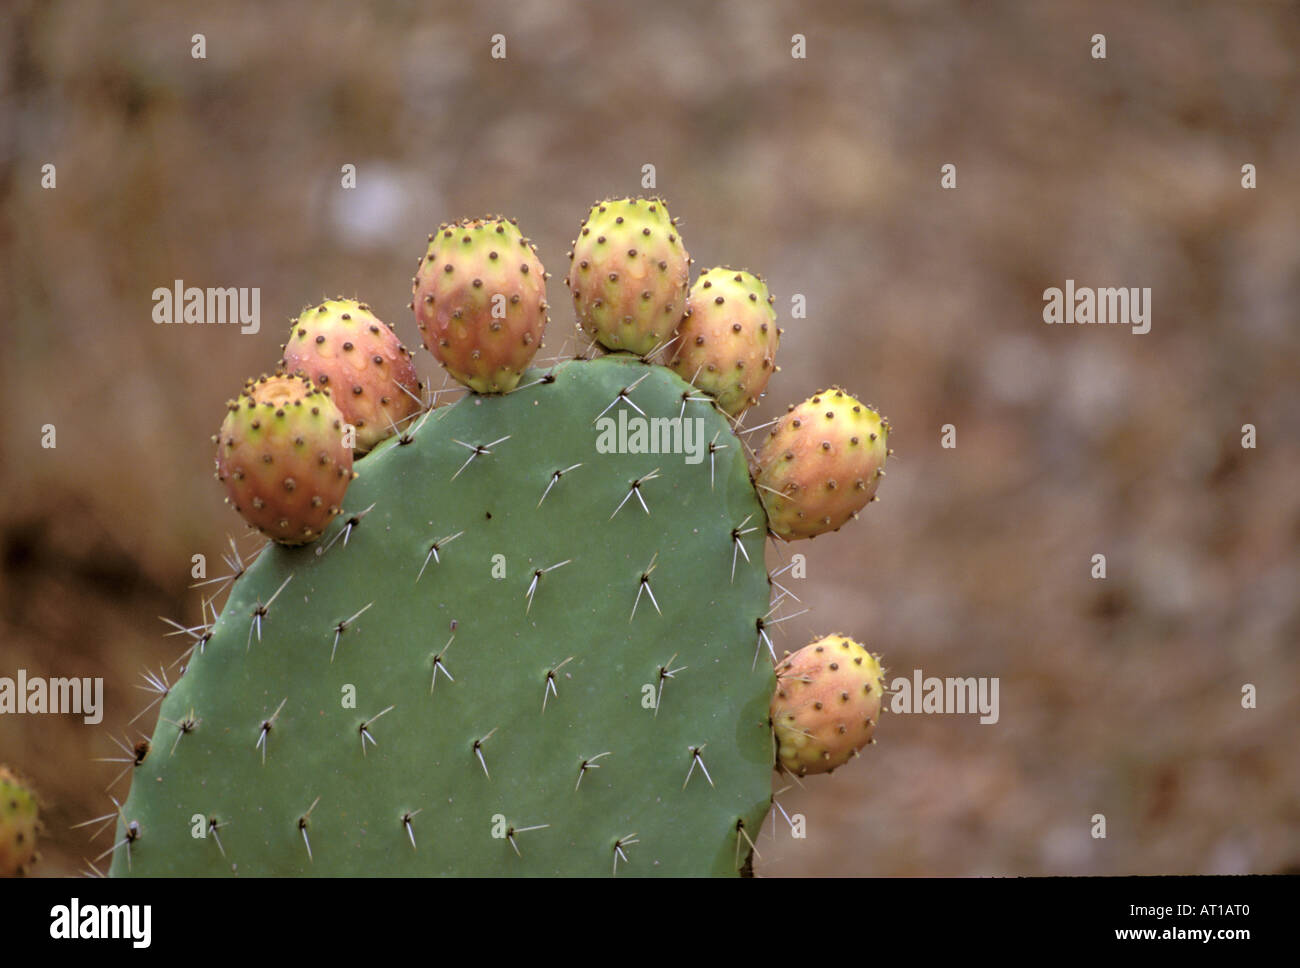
(645, 800)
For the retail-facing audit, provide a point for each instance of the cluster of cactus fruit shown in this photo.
(480, 640)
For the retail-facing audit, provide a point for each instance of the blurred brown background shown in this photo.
(1120, 697)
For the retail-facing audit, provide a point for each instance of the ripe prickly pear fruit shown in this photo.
(727, 343)
(341, 346)
(19, 824)
(480, 302)
(826, 705)
(284, 459)
(821, 464)
(629, 274)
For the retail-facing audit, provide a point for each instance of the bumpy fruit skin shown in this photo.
(19, 824)
(821, 464)
(480, 302)
(629, 274)
(282, 457)
(727, 343)
(826, 705)
(341, 346)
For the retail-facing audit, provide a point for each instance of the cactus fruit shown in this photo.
(586, 607)
(821, 464)
(535, 634)
(727, 343)
(826, 704)
(480, 302)
(341, 346)
(19, 824)
(283, 457)
(628, 275)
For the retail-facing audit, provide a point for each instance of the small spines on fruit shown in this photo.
(341, 346)
(821, 464)
(19, 824)
(727, 343)
(826, 705)
(283, 458)
(628, 275)
(480, 302)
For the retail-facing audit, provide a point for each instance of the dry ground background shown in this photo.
(1119, 697)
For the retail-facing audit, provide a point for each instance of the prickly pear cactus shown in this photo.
(827, 703)
(821, 464)
(283, 459)
(629, 274)
(19, 824)
(343, 347)
(726, 344)
(527, 646)
(479, 296)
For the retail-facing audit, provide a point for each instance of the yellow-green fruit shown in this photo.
(821, 464)
(480, 302)
(727, 343)
(826, 705)
(628, 274)
(19, 823)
